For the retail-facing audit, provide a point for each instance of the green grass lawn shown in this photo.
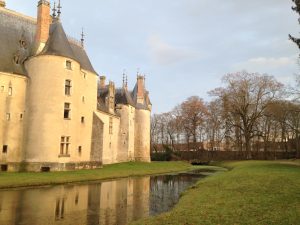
(252, 192)
(9, 180)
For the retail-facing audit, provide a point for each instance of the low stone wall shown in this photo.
(204, 155)
(47, 167)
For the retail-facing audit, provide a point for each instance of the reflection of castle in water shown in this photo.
(106, 203)
(113, 202)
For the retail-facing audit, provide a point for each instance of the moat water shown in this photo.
(114, 202)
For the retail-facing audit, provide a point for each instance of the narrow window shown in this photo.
(2, 89)
(67, 145)
(64, 145)
(83, 99)
(4, 149)
(68, 87)
(110, 125)
(10, 91)
(8, 116)
(82, 119)
(79, 150)
(84, 75)
(21, 116)
(67, 111)
(69, 65)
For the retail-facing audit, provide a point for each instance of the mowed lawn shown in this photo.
(9, 180)
(252, 192)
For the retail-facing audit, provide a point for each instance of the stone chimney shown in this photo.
(43, 25)
(140, 89)
(111, 97)
(2, 4)
(102, 81)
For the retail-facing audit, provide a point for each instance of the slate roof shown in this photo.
(13, 29)
(59, 44)
(123, 96)
(17, 33)
(146, 99)
(102, 94)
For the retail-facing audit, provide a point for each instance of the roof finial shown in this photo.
(123, 78)
(138, 72)
(126, 81)
(54, 11)
(59, 9)
(82, 38)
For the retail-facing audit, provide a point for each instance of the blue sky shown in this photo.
(183, 47)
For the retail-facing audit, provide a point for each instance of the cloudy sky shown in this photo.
(183, 46)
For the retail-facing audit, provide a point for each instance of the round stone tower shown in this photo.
(142, 122)
(61, 99)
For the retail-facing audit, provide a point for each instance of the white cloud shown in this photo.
(164, 54)
(262, 64)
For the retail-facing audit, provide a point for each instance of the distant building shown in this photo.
(55, 112)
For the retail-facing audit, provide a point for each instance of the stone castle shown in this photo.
(56, 113)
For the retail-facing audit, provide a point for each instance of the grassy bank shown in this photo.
(10, 180)
(252, 192)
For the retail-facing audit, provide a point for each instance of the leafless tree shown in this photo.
(245, 98)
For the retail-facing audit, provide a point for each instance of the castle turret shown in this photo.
(43, 25)
(142, 121)
(62, 96)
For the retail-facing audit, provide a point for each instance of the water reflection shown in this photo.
(107, 203)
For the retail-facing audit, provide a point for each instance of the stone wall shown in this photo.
(97, 140)
(12, 114)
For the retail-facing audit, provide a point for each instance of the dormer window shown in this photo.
(69, 65)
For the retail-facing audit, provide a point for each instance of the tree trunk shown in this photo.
(248, 147)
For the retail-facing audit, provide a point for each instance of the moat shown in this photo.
(112, 202)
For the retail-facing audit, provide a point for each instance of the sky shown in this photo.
(184, 47)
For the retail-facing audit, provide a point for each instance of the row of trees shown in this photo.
(250, 112)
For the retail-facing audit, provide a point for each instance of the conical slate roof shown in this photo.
(123, 97)
(58, 44)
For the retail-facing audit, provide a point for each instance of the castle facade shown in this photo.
(56, 113)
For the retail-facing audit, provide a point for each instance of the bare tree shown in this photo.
(193, 112)
(215, 124)
(246, 97)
